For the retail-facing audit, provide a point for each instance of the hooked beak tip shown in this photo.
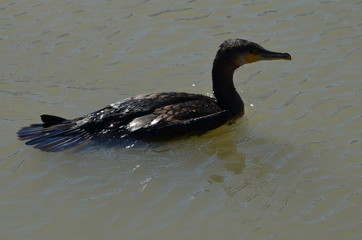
(287, 56)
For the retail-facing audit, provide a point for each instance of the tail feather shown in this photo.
(56, 134)
(60, 144)
(50, 135)
(29, 132)
(50, 120)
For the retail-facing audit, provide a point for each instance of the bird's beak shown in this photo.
(267, 55)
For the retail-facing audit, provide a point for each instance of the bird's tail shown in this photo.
(53, 135)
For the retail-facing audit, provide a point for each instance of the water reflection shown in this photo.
(227, 151)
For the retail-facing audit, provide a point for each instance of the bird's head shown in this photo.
(240, 52)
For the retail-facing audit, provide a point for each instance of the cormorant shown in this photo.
(159, 115)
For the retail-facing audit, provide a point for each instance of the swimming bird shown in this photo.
(157, 115)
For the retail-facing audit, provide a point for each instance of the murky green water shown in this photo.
(290, 169)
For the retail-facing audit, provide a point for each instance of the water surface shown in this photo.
(290, 169)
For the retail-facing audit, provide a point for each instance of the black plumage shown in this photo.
(156, 115)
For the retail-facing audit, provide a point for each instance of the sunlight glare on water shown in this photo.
(289, 169)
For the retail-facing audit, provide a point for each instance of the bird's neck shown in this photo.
(224, 89)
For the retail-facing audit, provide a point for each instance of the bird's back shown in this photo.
(144, 116)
